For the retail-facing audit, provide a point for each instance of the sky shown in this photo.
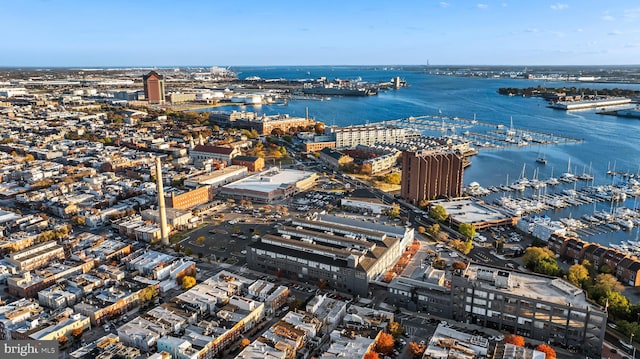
(66, 33)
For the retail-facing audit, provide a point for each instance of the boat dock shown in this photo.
(482, 135)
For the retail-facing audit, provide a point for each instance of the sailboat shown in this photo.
(568, 177)
(552, 181)
(541, 159)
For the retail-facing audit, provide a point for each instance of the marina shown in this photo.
(481, 134)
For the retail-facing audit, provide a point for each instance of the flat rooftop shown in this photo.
(532, 286)
(469, 210)
(270, 180)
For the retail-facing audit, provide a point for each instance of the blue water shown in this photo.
(607, 139)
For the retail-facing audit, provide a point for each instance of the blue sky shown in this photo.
(248, 32)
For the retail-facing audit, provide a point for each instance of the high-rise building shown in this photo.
(430, 174)
(153, 87)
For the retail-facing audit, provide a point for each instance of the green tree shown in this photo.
(541, 260)
(438, 213)
(577, 274)
(188, 251)
(467, 230)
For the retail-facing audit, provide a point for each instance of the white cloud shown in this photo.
(579, 30)
(559, 6)
(632, 13)
(504, 4)
(444, 4)
(482, 6)
(614, 33)
(608, 18)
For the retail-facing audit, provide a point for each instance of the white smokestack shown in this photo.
(164, 236)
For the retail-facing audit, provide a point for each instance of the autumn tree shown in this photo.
(421, 230)
(434, 229)
(188, 282)
(547, 350)
(394, 211)
(577, 274)
(385, 343)
(459, 265)
(516, 340)
(416, 349)
(62, 340)
(77, 333)
(200, 240)
(244, 342)
(423, 204)
(370, 355)
(395, 329)
(438, 213)
(392, 178)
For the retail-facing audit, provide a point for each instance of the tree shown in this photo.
(200, 240)
(371, 355)
(395, 329)
(619, 305)
(417, 349)
(188, 282)
(577, 274)
(188, 251)
(384, 343)
(434, 229)
(394, 211)
(421, 229)
(148, 293)
(516, 340)
(467, 230)
(541, 260)
(62, 340)
(438, 213)
(608, 283)
(392, 178)
(547, 350)
(77, 333)
(29, 158)
(244, 342)
(459, 265)
(423, 204)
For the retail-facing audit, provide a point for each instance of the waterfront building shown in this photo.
(369, 135)
(535, 306)
(344, 253)
(154, 88)
(427, 175)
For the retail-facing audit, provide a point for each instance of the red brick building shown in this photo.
(153, 87)
(427, 175)
(253, 164)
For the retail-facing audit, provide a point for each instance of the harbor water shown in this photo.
(608, 141)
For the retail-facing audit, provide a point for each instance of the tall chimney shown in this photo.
(164, 236)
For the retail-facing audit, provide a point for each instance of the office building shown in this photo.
(340, 252)
(538, 307)
(427, 175)
(154, 87)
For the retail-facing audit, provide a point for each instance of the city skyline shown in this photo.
(160, 33)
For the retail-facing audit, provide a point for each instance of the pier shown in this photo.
(483, 135)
